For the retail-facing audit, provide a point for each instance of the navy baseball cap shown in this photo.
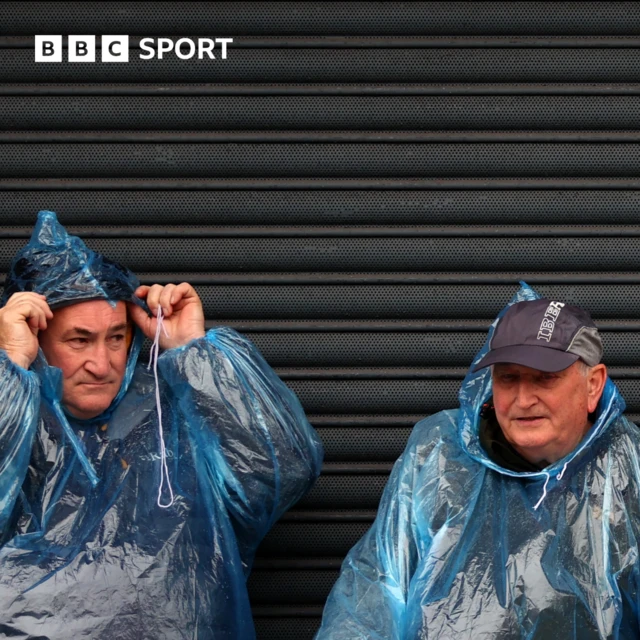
(545, 335)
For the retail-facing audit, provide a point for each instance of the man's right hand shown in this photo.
(21, 318)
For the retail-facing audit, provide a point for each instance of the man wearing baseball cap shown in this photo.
(547, 381)
(516, 515)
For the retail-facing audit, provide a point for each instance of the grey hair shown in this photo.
(583, 368)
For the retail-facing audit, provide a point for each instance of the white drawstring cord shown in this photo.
(544, 491)
(546, 482)
(153, 359)
(559, 476)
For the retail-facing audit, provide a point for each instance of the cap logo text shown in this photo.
(548, 323)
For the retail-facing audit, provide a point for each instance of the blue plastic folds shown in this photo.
(459, 550)
(86, 552)
(62, 268)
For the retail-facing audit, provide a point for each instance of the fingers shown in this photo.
(29, 296)
(30, 307)
(181, 307)
(36, 320)
(142, 291)
(169, 297)
(165, 299)
(140, 317)
(24, 315)
(183, 293)
(154, 294)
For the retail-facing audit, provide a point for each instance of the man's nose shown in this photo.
(99, 362)
(526, 396)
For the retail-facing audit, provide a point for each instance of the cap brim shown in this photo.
(541, 358)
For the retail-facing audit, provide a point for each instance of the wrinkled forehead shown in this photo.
(520, 369)
(91, 314)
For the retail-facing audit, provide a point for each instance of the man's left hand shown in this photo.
(182, 310)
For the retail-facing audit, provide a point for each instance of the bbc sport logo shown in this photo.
(116, 48)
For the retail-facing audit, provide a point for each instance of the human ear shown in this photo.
(596, 380)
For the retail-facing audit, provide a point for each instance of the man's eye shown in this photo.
(118, 337)
(78, 341)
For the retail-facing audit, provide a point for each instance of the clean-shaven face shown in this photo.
(545, 415)
(87, 341)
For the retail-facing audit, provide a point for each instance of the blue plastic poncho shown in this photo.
(459, 551)
(86, 552)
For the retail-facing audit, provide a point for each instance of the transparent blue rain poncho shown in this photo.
(86, 550)
(464, 549)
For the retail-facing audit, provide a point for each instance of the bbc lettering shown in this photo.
(82, 49)
(116, 48)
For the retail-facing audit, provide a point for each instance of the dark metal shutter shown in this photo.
(358, 188)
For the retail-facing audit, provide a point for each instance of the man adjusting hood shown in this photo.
(133, 500)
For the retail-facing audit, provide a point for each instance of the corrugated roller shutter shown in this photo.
(358, 187)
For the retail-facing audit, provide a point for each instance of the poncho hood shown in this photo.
(476, 390)
(62, 268)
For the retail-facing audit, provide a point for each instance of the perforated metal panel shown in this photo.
(325, 112)
(359, 188)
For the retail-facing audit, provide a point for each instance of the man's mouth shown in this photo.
(529, 419)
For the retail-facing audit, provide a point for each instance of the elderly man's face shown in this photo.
(88, 342)
(545, 415)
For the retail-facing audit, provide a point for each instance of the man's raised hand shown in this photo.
(21, 318)
(181, 308)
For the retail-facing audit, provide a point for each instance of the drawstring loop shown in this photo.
(153, 360)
